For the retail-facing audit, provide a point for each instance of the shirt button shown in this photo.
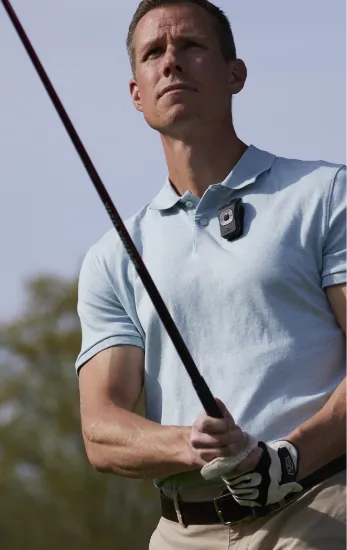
(204, 222)
(189, 204)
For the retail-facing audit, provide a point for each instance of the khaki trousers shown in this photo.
(314, 521)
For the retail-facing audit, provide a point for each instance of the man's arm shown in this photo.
(323, 437)
(117, 440)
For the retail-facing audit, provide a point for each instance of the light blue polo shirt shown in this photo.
(253, 312)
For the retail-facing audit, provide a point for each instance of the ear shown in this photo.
(135, 94)
(237, 76)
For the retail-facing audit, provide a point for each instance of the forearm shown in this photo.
(126, 444)
(322, 438)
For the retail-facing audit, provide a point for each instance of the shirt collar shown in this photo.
(252, 163)
(166, 198)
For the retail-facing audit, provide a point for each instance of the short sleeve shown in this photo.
(104, 321)
(334, 250)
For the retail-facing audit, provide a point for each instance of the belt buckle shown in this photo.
(251, 512)
(219, 510)
(220, 515)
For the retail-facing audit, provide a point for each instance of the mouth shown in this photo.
(179, 87)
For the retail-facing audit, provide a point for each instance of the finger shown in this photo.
(223, 450)
(206, 424)
(203, 441)
(234, 437)
(207, 455)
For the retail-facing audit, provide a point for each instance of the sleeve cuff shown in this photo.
(105, 344)
(334, 279)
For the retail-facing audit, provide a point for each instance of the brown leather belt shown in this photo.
(225, 510)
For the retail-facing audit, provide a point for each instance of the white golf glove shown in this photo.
(273, 478)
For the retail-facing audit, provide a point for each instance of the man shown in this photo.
(262, 312)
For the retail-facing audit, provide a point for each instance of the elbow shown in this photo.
(95, 455)
(98, 462)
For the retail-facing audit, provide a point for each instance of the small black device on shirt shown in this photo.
(231, 220)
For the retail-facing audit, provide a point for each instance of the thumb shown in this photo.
(223, 409)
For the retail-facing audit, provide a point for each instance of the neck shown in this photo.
(196, 162)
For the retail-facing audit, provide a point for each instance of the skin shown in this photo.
(178, 44)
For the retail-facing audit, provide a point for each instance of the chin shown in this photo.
(178, 116)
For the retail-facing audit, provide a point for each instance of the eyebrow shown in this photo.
(186, 36)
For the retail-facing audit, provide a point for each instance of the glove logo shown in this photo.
(289, 466)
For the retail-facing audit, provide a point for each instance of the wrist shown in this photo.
(189, 457)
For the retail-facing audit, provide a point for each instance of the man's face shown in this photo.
(177, 46)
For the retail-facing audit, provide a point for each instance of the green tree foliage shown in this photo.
(50, 496)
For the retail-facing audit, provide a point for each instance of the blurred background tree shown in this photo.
(50, 496)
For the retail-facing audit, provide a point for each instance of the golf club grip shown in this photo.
(206, 398)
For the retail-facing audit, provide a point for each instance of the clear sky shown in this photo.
(293, 105)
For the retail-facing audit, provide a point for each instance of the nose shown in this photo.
(172, 64)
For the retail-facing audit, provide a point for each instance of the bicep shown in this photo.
(113, 377)
(337, 299)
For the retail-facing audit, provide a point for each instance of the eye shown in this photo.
(191, 44)
(154, 52)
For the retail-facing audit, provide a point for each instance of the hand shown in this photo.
(273, 478)
(213, 438)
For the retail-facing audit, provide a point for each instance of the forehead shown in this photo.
(175, 21)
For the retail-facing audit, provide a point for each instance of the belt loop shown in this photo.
(178, 510)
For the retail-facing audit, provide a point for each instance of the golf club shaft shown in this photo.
(206, 398)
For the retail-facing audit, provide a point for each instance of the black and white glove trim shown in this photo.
(273, 478)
